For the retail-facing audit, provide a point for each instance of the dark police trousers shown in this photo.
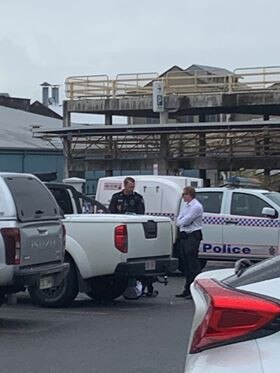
(189, 245)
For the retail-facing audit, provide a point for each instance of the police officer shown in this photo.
(127, 201)
(189, 222)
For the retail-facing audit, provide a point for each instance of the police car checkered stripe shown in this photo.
(244, 222)
(218, 220)
(213, 220)
(169, 215)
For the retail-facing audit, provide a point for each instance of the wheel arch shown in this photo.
(77, 254)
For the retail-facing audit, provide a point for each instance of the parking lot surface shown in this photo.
(148, 335)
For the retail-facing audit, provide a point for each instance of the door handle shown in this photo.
(231, 222)
(42, 231)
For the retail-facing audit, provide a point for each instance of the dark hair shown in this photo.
(128, 180)
(189, 190)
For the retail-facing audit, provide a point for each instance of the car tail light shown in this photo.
(11, 237)
(233, 316)
(121, 238)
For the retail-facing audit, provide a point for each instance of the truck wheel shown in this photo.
(107, 287)
(61, 295)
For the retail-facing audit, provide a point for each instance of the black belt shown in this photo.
(185, 235)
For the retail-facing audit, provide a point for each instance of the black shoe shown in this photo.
(152, 294)
(184, 294)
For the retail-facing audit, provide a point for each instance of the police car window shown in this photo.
(211, 201)
(247, 205)
(274, 197)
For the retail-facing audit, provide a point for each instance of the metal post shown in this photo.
(109, 142)
(66, 140)
(202, 147)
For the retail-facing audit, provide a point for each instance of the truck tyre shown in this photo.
(58, 296)
(107, 288)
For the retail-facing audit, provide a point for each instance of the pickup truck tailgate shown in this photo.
(150, 237)
(41, 242)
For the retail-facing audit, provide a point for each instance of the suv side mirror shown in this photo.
(268, 211)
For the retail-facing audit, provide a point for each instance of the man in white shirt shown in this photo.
(189, 222)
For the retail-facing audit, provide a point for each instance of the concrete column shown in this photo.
(162, 161)
(108, 119)
(163, 117)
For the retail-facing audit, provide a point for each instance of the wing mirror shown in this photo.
(241, 265)
(269, 212)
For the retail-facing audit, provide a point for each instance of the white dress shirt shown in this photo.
(190, 217)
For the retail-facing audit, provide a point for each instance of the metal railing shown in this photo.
(175, 82)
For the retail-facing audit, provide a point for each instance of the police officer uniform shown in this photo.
(189, 222)
(122, 203)
(132, 203)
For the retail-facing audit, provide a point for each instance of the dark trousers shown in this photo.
(189, 245)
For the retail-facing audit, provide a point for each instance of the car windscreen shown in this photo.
(32, 199)
(262, 271)
(274, 197)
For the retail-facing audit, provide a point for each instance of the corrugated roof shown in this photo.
(209, 69)
(16, 129)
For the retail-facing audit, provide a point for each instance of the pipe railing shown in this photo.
(178, 83)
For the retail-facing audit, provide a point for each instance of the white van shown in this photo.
(162, 194)
(237, 222)
(156, 190)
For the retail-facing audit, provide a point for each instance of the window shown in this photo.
(63, 199)
(274, 196)
(247, 205)
(32, 199)
(211, 201)
(262, 271)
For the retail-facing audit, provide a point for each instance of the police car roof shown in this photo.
(221, 189)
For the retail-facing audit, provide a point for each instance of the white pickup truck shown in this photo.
(238, 222)
(104, 250)
(32, 236)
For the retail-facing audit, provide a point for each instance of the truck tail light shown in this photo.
(233, 316)
(121, 238)
(11, 237)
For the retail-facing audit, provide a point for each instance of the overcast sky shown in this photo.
(51, 40)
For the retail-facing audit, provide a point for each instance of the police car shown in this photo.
(240, 219)
(239, 222)
(236, 323)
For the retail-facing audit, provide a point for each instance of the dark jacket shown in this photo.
(127, 204)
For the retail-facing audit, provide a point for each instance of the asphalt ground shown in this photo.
(146, 335)
(149, 335)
